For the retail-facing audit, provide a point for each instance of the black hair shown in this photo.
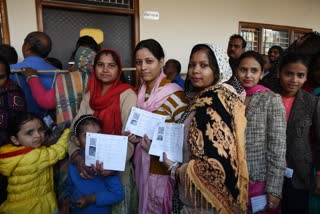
(153, 46)
(213, 63)
(40, 43)
(309, 47)
(176, 64)
(237, 36)
(85, 120)
(9, 53)
(20, 118)
(293, 58)
(55, 62)
(313, 61)
(278, 48)
(107, 51)
(252, 54)
(4, 62)
(86, 41)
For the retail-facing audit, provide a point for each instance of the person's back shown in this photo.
(36, 48)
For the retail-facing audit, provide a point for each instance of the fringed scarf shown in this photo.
(218, 170)
(107, 106)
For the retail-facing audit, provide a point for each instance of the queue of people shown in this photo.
(235, 147)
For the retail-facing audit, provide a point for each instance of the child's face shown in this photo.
(31, 134)
(88, 128)
(292, 77)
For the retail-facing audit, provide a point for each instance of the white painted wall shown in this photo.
(22, 20)
(183, 23)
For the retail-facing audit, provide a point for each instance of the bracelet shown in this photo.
(173, 169)
(173, 165)
(31, 76)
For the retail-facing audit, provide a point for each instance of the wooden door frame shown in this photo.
(4, 22)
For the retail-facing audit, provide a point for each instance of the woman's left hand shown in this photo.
(273, 201)
(317, 186)
(98, 170)
(146, 143)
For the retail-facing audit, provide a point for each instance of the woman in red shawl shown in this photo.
(110, 100)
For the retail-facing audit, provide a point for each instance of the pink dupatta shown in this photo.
(155, 191)
(251, 91)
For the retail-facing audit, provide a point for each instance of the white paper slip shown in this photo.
(141, 122)
(259, 203)
(168, 138)
(288, 173)
(109, 149)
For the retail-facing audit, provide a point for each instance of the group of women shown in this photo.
(233, 149)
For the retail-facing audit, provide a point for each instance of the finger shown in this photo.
(84, 174)
(126, 133)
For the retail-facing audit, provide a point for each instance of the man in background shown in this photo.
(172, 69)
(236, 46)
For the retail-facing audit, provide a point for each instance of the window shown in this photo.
(260, 37)
(4, 29)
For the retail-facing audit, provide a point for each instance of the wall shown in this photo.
(22, 20)
(184, 23)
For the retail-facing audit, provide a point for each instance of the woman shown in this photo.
(213, 177)
(12, 101)
(265, 132)
(110, 100)
(158, 95)
(303, 136)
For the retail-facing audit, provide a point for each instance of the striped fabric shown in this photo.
(69, 89)
(173, 109)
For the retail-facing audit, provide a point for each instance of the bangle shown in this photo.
(31, 76)
(173, 168)
(173, 165)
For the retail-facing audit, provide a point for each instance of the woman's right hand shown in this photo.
(83, 170)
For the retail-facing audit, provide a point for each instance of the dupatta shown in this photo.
(107, 106)
(218, 171)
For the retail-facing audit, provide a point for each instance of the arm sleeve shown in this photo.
(128, 99)
(112, 193)
(84, 109)
(316, 132)
(55, 152)
(276, 146)
(45, 98)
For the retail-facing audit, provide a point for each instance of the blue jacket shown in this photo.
(46, 79)
(108, 191)
(179, 81)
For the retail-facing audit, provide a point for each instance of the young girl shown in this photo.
(91, 195)
(265, 132)
(303, 122)
(28, 166)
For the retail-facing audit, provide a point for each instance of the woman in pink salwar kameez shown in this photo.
(158, 95)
